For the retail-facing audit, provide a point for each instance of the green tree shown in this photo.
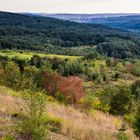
(136, 69)
(122, 101)
(34, 106)
(137, 122)
(136, 90)
(91, 55)
(11, 75)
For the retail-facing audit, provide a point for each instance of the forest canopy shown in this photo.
(18, 31)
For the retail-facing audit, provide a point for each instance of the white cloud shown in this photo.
(71, 6)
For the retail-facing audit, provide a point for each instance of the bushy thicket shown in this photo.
(38, 73)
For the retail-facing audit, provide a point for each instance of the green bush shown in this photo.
(136, 123)
(53, 124)
(7, 137)
(10, 76)
(136, 69)
(91, 55)
(60, 97)
(33, 124)
(136, 89)
(105, 98)
(88, 103)
(121, 136)
(71, 68)
(122, 102)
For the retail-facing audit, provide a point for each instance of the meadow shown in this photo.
(28, 54)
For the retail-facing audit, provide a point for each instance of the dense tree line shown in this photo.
(39, 33)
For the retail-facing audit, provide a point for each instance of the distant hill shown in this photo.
(34, 32)
(130, 22)
(81, 18)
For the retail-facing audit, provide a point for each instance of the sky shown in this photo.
(71, 6)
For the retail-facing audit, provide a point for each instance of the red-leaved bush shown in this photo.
(70, 87)
(52, 82)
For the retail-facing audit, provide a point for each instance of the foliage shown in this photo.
(136, 89)
(37, 61)
(16, 74)
(91, 55)
(122, 136)
(54, 124)
(71, 68)
(33, 125)
(136, 123)
(136, 69)
(51, 83)
(105, 99)
(8, 137)
(70, 87)
(52, 35)
(119, 47)
(88, 103)
(121, 103)
(10, 75)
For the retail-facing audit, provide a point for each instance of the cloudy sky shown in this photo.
(71, 6)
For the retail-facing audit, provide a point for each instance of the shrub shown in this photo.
(137, 122)
(50, 98)
(7, 137)
(136, 89)
(109, 62)
(68, 68)
(121, 136)
(136, 69)
(121, 102)
(72, 89)
(60, 97)
(51, 83)
(116, 76)
(31, 77)
(33, 125)
(69, 89)
(20, 62)
(88, 103)
(11, 75)
(105, 99)
(54, 124)
(91, 55)
(37, 61)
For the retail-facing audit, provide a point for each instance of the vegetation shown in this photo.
(54, 36)
(33, 125)
(93, 95)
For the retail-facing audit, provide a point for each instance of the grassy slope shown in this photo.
(28, 55)
(75, 125)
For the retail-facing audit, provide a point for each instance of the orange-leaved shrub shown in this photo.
(52, 82)
(71, 87)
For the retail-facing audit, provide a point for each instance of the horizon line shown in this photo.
(69, 13)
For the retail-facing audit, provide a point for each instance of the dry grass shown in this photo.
(75, 125)
(95, 126)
